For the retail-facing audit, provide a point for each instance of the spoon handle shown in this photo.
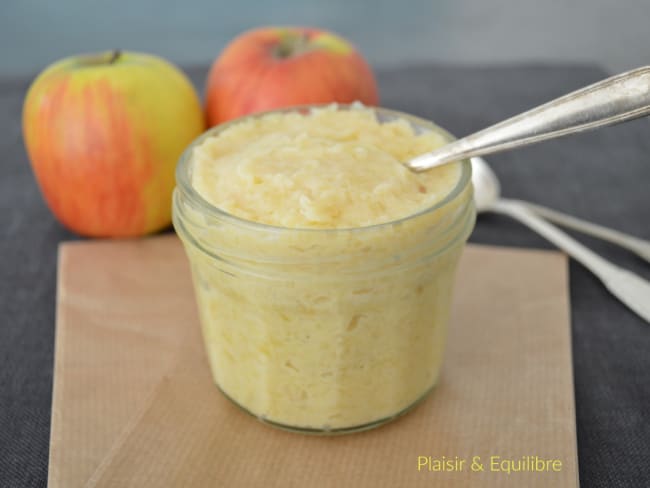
(616, 99)
(636, 245)
(628, 287)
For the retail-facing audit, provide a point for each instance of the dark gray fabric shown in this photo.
(603, 176)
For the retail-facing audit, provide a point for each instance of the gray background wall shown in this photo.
(615, 34)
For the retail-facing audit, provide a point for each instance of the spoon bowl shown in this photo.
(487, 189)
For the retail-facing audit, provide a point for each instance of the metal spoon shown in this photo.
(628, 287)
(487, 189)
(616, 99)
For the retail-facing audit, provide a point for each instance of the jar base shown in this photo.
(336, 431)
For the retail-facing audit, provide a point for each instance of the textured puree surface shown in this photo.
(327, 169)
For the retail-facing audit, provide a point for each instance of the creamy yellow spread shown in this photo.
(335, 329)
(329, 169)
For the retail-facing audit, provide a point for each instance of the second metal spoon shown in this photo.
(616, 99)
(628, 287)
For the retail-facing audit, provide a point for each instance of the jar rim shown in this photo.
(185, 185)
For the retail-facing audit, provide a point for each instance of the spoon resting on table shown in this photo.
(628, 287)
(487, 189)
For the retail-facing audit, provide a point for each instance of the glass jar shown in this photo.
(324, 330)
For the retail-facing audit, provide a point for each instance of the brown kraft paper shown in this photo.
(134, 404)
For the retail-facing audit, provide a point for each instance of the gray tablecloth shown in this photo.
(603, 176)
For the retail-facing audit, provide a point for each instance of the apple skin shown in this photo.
(276, 67)
(104, 133)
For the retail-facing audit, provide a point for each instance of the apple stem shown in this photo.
(292, 45)
(115, 55)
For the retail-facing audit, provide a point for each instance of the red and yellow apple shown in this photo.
(276, 67)
(104, 133)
